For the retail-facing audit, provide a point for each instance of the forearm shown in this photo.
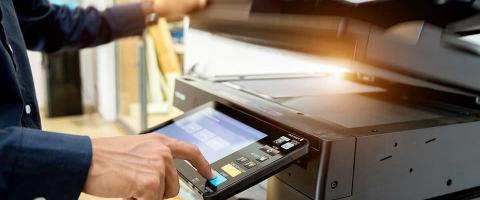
(50, 28)
(38, 164)
(126, 20)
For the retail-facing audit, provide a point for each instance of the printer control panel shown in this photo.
(247, 163)
(241, 149)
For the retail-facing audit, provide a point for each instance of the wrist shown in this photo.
(149, 12)
(147, 7)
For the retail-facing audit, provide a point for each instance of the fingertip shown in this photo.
(212, 174)
(209, 173)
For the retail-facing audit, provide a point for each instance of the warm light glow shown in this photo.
(332, 70)
(338, 72)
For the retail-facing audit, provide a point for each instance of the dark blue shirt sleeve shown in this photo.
(47, 27)
(35, 164)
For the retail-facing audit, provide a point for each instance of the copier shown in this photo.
(402, 121)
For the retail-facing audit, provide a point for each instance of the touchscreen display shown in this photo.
(216, 134)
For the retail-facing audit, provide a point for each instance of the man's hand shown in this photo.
(172, 8)
(140, 167)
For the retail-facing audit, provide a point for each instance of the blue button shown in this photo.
(219, 179)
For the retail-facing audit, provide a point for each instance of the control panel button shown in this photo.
(219, 179)
(262, 158)
(250, 164)
(269, 150)
(273, 152)
(278, 141)
(207, 190)
(287, 146)
(286, 139)
(231, 170)
(295, 143)
(281, 140)
(242, 160)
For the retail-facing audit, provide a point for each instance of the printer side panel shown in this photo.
(187, 97)
(300, 180)
(417, 164)
(328, 175)
(339, 174)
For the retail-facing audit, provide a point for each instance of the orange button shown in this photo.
(231, 170)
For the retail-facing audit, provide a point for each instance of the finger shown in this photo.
(172, 187)
(192, 154)
(161, 188)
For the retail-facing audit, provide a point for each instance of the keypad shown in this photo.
(242, 160)
(250, 165)
(287, 146)
(269, 150)
(262, 158)
(278, 141)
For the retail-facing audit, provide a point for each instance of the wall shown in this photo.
(38, 77)
(100, 72)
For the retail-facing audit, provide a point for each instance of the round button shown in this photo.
(28, 110)
(40, 198)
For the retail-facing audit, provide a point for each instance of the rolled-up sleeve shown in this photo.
(34, 164)
(48, 27)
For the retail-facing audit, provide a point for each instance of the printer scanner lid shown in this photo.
(417, 50)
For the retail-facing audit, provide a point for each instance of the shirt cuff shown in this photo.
(51, 165)
(126, 19)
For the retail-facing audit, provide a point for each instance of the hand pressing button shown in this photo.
(219, 179)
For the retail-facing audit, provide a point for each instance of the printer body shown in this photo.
(402, 122)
